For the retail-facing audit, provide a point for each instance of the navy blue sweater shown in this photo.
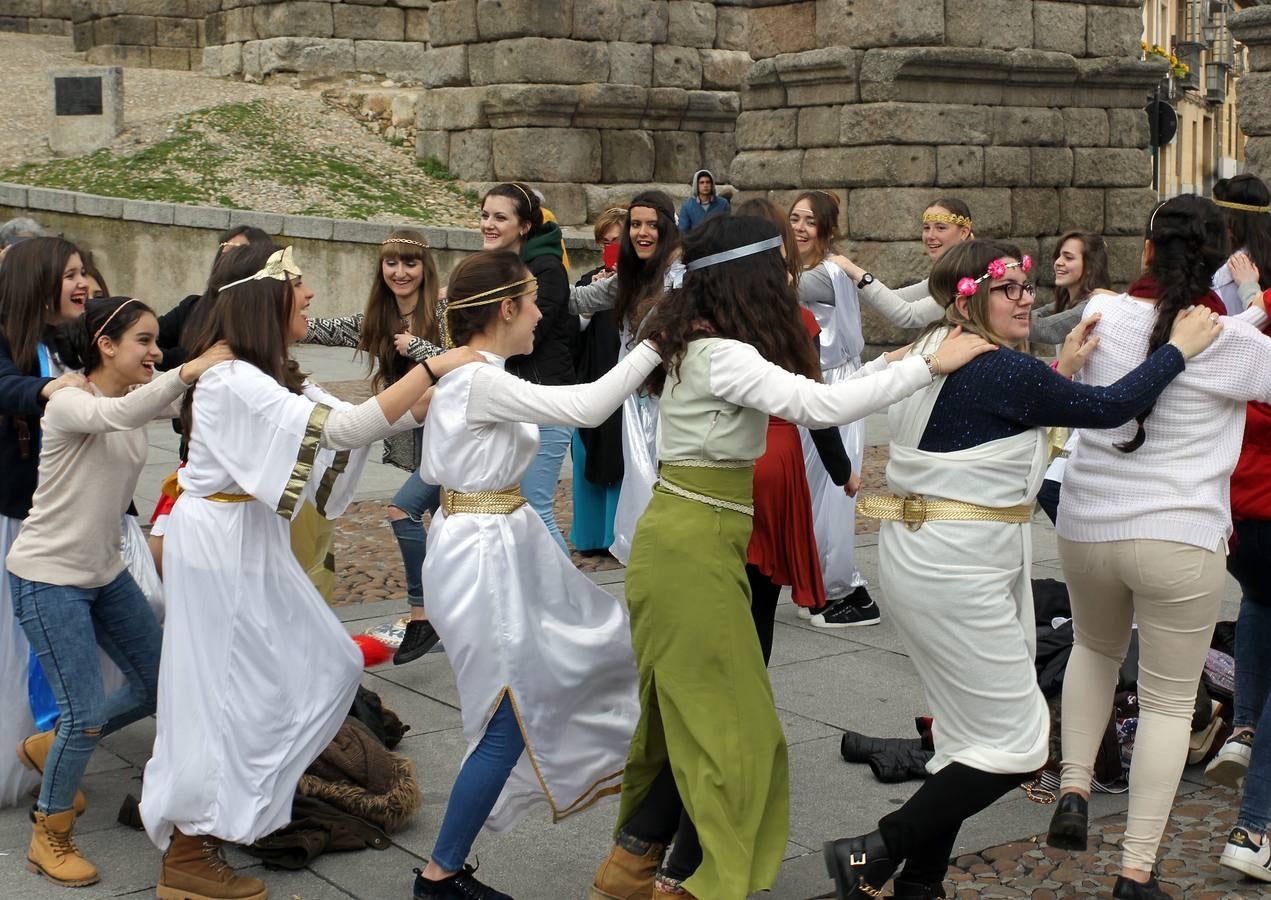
(19, 458)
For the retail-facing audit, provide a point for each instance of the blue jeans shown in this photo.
(1248, 564)
(65, 626)
(478, 786)
(539, 482)
(414, 497)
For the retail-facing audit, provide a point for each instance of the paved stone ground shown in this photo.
(823, 682)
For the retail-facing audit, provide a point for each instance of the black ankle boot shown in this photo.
(917, 890)
(1126, 889)
(1070, 826)
(860, 866)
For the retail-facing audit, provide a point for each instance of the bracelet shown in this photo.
(933, 365)
(428, 369)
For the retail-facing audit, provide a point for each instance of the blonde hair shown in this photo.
(614, 215)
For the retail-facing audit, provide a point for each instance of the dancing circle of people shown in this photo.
(708, 380)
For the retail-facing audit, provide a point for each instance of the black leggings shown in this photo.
(923, 831)
(661, 817)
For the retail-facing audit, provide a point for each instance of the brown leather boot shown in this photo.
(53, 852)
(194, 869)
(627, 872)
(33, 751)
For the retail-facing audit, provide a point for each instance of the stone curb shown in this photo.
(218, 219)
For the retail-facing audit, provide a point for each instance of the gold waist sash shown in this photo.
(172, 488)
(913, 511)
(222, 497)
(499, 503)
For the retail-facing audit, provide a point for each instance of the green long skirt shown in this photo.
(706, 703)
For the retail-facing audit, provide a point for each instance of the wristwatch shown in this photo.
(866, 280)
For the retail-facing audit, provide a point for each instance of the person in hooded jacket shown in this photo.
(704, 204)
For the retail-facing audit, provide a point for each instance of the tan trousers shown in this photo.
(1173, 592)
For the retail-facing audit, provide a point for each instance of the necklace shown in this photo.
(405, 316)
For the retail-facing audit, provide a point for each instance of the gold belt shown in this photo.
(499, 503)
(913, 511)
(222, 497)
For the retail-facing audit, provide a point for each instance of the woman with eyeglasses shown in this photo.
(972, 449)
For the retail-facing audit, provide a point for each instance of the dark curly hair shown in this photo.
(749, 300)
(640, 280)
(1189, 242)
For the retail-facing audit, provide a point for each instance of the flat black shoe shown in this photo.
(847, 613)
(1126, 889)
(1070, 825)
(420, 637)
(860, 866)
(917, 890)
(459, 886)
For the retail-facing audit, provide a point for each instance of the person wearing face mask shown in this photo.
(42, 286)
(548, 696)
(966, 459)
(397, 331)
(257, 673)
(71, 590)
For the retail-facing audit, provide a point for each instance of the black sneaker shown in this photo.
(849, 613)
(1126, 889)
(459, 886)
(420, 637)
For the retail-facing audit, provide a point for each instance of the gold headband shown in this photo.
(947, 218)
(279, 267)
(394, 240)
(523, 193)
(111, 317)
(484, 297)
(1242, 207)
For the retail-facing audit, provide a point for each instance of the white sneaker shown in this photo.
(1241, 854)
(1231, 765)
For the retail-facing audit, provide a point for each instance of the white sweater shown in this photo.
(1176, 486)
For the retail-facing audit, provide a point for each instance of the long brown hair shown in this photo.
(30, 291)
(969, 259)
(1094, 269)
(766, 209)
(382, 322)
(825, 210)
(640, 280)
(749, 300)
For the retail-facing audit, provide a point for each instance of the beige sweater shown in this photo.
(93, 450)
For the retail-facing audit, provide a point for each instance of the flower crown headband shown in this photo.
(280, 267)
(947, 218)
(997, 269)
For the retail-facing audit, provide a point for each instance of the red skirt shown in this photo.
(783, 544)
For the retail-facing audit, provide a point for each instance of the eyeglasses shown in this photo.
(1014, 290)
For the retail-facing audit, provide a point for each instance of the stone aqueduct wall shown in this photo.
(36, 16)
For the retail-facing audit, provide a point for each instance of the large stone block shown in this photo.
(239, 25)
(630, 63)
(602, 196)
(396, 58)
(998, 24)
(124, 55)
(719, 148)
(135, 30)
(547, 154)
(451, 109)
(626, 155)
(294, 18)
(224, 60)
(25, 9)
(1253, 112)
(1028, 126)
(525, 60)
(1125, 258)
(287, 54)
(530, 105)
(788, 28)
(818, 126)
(643, 21)
(665, 108)
(708, 110)
(755, 169)
(611, 106)
(1129, 127)
(691, 24)
(869, 166)
(81, 36)
(895, 214)
(56, 9)
(444, 66)
(452, 22)
(176, 32)
(384, 23)
(768, 129)
(732, 28)
(1111, 167)
(1113, 30)
(724, 69)
(1081, 209)
(1258, 156)
(824, 77)
(472, 154)
(677, 67)
(146, 7)
(879, 23)
(1006, 166)
(596, 20)
(1059, 26)
(1034, 211)
(1086, 126)
(1126, 210)
(170, 58)
(1050, 166)
(433, 145)
(677, 155)
(520, 18)
(915, 123)
(959, 166)
(417, 25)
